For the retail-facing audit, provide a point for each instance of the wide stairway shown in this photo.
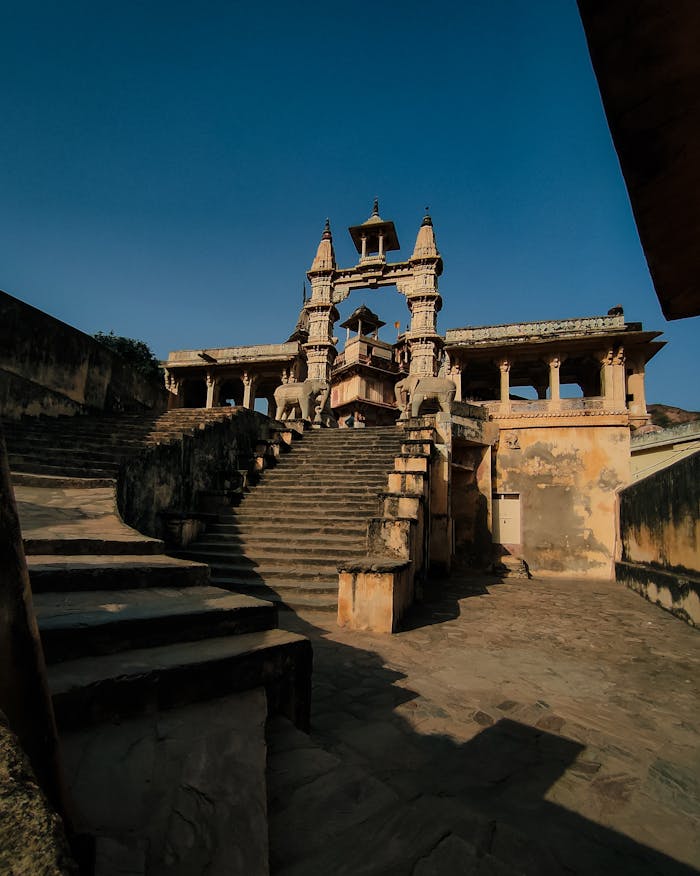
(93, 446)
(126, 628)
(284, 541)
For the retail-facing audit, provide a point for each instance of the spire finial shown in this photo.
(427, 220)
(327, 231)
(375, 208)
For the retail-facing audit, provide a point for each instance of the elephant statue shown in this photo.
(312, 396)
(413, 390)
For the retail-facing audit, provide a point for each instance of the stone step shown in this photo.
(28, 479)
(277, 507)
(321, 489)
(77, 546)
(274, 575)
(293, 596)
(112, 572)
(297, 531)
(62, 470)
(278, 566)
(98, 453)
(256, 553)
(67, 461)
(117, 686)
(274, 538)
(89, 623)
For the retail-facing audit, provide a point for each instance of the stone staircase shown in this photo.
(93, 446)
(285, 539)
(150, 667)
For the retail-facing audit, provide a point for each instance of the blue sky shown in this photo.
(166, 168)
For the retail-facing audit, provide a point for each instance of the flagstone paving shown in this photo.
(562, 713)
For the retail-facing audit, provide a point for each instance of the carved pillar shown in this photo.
(455, 375)
(424, 302)
(619, 380)
(554, 363)
(172, 384)
(504, 368)
(320, 346)
(249, 381)
(635, 386)
(212, 386)
(606, 378)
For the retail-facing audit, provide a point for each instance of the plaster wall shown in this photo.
(49, 367)
(660, 518)
(567, 478)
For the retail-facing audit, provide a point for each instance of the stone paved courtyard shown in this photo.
(563, 712)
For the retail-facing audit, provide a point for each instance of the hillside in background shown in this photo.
(667, 415)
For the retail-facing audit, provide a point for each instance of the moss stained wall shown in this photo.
(660, 518)
(49, 367)
(567, 478)
(169, 476)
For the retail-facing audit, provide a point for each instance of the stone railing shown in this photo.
(231, 355)
(531, 330)
(545, 405)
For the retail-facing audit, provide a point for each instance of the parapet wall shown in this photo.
(660, 538)
(49, 367)
(171, 476)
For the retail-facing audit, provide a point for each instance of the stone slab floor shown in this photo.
(519, 726)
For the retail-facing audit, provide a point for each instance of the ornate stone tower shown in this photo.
(416, 278)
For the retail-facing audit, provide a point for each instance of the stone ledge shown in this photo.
(375, 564)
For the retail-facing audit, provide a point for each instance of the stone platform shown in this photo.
(538, 727)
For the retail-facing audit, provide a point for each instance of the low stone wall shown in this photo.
(660, 538)
(170, 476)
(49, 367)
(178, 791)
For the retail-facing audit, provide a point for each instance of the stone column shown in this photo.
(619, 380)
(635, 385)
(424, 302)
(320, 346)
(606, 379)
(455, 375)
(212, 385)
(554, 363)
(172, 384)
(504, 368)
(249, 381)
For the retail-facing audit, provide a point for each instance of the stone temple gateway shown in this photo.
(532, 420)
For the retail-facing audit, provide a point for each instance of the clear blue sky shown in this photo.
(166, 168)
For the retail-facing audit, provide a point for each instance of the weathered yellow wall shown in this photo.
(567, 477)
(660, 518)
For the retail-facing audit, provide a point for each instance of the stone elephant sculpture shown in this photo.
(412, 391)
(312, 397)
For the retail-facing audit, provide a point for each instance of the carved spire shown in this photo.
(426, 246)
(375, 207)
(325, 255)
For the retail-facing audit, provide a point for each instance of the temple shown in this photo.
(536, 417)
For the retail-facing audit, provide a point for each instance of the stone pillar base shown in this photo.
(374, 593)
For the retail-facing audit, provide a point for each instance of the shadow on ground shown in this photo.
(483, 799)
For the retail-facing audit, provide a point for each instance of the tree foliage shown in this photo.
(137, 353)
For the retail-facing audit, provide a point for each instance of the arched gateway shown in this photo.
(416, 279)
(204, 377)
